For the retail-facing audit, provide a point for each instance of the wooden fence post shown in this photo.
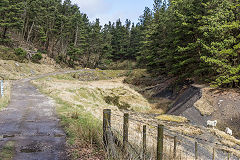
(160, 143)
(125, 130)
(106, 126)
(213, 157)
(175, 147)
(196, 150)
(144, 141)
(180, 155)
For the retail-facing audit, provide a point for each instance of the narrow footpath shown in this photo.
(30, 123)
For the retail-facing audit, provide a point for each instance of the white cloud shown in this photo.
(93, 7)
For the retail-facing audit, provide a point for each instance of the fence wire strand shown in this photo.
(168, 153)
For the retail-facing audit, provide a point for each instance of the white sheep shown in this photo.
(228, 131)
(212, 123)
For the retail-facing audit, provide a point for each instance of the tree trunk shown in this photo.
(76, 37)
(4, 32)
(25, 29)
(29, 33)
(47, 44)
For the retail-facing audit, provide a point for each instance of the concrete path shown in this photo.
(30, 121)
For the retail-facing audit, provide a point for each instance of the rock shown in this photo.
(33, 72)
(17, 64)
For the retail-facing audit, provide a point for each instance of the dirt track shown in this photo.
(31, 123)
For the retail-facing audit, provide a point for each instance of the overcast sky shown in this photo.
(111, 10)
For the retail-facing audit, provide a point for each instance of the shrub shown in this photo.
(36, 57)
(20, 52)
(42, 51)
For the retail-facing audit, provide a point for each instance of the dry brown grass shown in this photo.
(14, 70)
(92, 94)
(226, 138)
(172, 118)
(187, 130)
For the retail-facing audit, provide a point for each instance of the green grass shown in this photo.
(8, 150)
(78, 123)
(3, 102)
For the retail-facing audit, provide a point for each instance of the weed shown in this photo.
(7, 152)
(75, 115)
(36, 58)
(114, 100)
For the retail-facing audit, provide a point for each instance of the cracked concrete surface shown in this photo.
(30, 121)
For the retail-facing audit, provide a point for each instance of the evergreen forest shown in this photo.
(187, 39)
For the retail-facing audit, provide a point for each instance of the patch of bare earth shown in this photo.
(205, 103)
(223, 106)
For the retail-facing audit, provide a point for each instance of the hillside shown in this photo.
(158, 80)
(92, 91)
(197, 102)
(15, 67)
(144, 97)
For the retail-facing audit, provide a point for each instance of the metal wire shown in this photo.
(170, 134)
(189, 136)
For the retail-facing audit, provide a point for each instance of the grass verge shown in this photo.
(7, 152)
(83, 130)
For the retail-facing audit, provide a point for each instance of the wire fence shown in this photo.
(136, 139)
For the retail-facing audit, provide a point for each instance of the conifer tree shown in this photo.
(221, 39)
(10, 14)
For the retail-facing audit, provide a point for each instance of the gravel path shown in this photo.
(30, 121)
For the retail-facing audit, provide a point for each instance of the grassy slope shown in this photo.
(79, 102)
(75, 101)
(7, 151)
(11, 69)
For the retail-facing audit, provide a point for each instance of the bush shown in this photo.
(42, 51)
(36, 58)
(20, 52)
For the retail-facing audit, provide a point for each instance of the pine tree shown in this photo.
(134, 46)
(120, 40)
(221, 28)
(145, 27)
(10, 13)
